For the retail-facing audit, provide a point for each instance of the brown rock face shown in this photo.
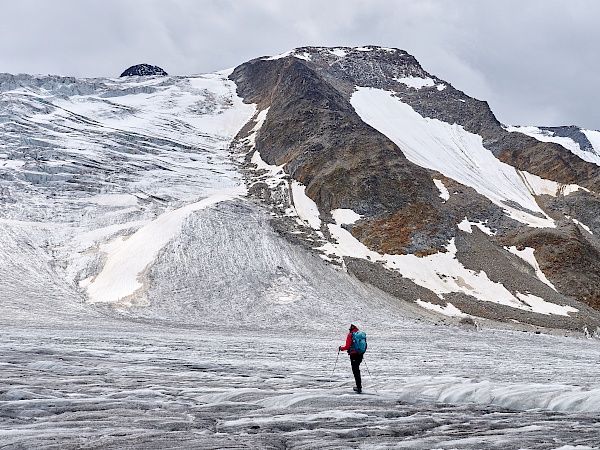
(393, 235)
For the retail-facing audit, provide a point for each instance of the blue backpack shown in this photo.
(359, 341)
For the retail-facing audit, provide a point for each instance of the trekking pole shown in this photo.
(371, 376)
(336, 360)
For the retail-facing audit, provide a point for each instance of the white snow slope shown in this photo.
(448, 149)
(123, 193)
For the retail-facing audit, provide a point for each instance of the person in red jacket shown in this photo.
(355, 357)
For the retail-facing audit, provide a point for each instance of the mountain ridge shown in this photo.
(411, 216)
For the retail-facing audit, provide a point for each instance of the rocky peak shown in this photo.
(143, 70)
(368, 66)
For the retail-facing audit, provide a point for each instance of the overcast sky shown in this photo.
(535, 61)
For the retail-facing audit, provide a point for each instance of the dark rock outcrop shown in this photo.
(142, 70)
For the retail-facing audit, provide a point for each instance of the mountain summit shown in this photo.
(142, 70)
(301, 186)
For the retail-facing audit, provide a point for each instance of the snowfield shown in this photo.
(145, 302)
(450, 150)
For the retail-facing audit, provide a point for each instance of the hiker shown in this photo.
(356, 351)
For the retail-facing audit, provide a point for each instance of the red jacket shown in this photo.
(348, 343)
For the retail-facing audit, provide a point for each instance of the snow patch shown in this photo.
(527, 255)
(582, 225)
(594, 138)
(568, 143)
(444, 194)
(275, 174)
(416, 82)
(280, 56)
(541, 186)
(450, 150)
(546, 136)
(441, 273)
(448, 310)
(305, 56)
(305, 207)
(540, 306)
(466, 226)
(260, 120)
(345, 216)
(338, 52)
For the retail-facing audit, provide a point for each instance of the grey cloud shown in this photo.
(535, 61)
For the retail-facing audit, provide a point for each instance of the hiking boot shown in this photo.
(357, 390)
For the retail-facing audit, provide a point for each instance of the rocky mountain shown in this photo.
(429, 173)
(289, 187)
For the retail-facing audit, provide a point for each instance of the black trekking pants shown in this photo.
(355, 360)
